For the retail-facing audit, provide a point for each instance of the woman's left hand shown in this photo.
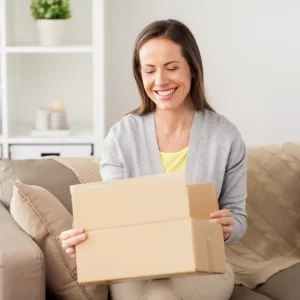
(223, 217)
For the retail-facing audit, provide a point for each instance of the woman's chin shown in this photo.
(167, 106)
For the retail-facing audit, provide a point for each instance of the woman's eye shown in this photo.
(149, 71)
(172, 69)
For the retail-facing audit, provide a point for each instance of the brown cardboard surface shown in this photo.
(151, 250)
(141, 200)
(147, 227)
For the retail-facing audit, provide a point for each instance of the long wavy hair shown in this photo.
(181, 35)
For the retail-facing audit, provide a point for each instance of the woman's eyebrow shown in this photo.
(167, 63)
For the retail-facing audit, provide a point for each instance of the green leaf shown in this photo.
(50, 9)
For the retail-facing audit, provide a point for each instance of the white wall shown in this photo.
(22, 29)
(251, 56)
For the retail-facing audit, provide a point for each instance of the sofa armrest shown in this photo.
(22, 273)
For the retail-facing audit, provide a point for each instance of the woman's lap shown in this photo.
(213, 287)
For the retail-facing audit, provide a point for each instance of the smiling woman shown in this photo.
(175, 128)
(168, 61)
(167, 82)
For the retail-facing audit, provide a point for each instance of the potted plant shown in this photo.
(51, 17)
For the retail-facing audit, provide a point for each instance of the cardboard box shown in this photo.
(147, 227)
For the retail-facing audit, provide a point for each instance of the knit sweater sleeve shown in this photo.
(111, 166)
(234, 189)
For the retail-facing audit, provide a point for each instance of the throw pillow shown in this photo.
(43, 217)
(29, 171)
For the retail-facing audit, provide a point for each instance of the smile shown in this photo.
(166, 92)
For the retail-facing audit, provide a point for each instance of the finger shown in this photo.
(70, 233)
(221, 213)
(73, 241)
(73, 255)
(226, 221)
(227, 229)
(226, 236)
(70, 250)
(223, 221)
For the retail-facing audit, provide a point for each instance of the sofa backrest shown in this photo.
(47, 173)
(273, 204)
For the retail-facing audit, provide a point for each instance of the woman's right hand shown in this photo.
(70, 238)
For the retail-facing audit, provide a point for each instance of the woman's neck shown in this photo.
(174, 121)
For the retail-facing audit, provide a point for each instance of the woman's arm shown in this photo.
(111, 167)
(233, 195)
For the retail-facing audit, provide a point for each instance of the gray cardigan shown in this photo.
(216, 153)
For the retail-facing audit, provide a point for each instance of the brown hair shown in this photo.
(181, 35)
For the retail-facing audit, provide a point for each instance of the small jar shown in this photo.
(58, 120)
(42, 119)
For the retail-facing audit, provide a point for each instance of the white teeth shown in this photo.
(165, 93)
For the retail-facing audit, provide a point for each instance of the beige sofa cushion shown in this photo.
(272, 240)
(47, 173)
(43, 217)
(22, 269)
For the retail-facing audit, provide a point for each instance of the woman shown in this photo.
(176, 128)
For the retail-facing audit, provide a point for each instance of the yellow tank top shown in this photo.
(174, 161)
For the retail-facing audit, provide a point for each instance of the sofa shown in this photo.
(266, 261)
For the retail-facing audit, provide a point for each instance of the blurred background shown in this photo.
(66, 68)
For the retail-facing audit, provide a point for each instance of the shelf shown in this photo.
(39, 49)
(32, 76)
(79, 134)
(21, 28)
(36, 80)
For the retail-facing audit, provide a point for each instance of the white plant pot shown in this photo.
(51, 32)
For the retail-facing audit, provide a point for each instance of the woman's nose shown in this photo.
(161, 78)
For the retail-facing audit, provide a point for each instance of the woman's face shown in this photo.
(165, 73)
